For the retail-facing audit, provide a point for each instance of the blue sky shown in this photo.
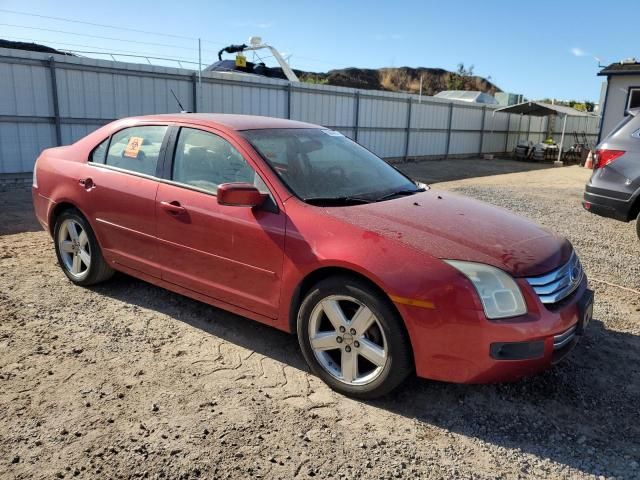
(538, 48)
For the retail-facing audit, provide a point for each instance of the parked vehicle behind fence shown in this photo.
(614, 187)
(296, 226)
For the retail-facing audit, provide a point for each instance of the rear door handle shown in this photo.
(174, 208)
(87, 183)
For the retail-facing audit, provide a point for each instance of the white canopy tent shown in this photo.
(540, 109)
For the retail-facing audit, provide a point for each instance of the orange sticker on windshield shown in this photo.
(133, 147)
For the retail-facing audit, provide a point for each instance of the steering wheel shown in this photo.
(336, 173)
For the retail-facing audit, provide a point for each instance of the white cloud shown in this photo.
(578, 52)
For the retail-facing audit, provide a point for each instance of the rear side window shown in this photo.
(99, 153)
(137, 148)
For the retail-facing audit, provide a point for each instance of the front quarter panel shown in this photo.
(314, 241)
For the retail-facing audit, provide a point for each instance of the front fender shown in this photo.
(408, 277)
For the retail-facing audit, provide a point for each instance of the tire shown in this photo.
(367, 364)
(638, 226)
(74, 252)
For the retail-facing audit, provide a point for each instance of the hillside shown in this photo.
(405, 79)
(30, 47)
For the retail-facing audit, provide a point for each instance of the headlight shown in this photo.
(499, 293)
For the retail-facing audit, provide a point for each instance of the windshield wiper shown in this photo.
(336, 200)
(399, 192)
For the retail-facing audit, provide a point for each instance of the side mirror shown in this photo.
(240, 194)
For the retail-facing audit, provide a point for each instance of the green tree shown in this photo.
(458, 80)
(464, 72)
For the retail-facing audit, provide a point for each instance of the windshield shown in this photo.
(322, 166)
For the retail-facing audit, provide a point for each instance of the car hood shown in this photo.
(449, 226)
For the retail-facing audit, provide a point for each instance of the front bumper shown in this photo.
(563, 342)
(464, 347)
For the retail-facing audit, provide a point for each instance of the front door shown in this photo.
(233, 254)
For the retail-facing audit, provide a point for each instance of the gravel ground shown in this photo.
(125, 380)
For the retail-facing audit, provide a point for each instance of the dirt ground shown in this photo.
(126, 380)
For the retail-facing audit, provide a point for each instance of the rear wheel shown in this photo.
(353, 339)
(638, 225)
(78, 251)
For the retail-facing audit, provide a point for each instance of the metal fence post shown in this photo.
(450, 121)
(194, 91)
(484, 114)
(506, 140)
(357, 115)
(519, 129)
(408, 130)
(56, 105)
(289, 100)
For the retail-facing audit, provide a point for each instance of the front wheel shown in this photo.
(78, 251)
(353, 339)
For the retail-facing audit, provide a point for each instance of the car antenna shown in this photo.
(182, 110)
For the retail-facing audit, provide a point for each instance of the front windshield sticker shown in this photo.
(333, 133)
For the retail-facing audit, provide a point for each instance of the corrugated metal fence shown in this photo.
(54, 100)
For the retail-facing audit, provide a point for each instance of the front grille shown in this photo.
(560, 283)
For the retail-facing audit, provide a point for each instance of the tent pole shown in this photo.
(564, 126)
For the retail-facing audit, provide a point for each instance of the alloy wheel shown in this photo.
(347, 340)
(74, 248)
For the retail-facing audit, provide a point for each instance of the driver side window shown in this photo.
(205, 160)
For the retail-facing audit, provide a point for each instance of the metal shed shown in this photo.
(467, 96)
(540, 109)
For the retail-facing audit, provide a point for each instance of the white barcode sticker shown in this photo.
(333, 133)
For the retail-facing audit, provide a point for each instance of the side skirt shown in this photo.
(196, 296)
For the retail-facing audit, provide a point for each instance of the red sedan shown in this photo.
(298, 227)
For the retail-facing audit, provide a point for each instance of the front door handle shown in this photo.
(174, 208)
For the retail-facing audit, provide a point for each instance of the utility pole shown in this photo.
(199, 71)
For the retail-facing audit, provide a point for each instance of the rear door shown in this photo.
(121, 184)
(233, 254)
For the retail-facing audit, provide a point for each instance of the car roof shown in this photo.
(230, 121)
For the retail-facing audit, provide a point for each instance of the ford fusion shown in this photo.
(298, 227)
